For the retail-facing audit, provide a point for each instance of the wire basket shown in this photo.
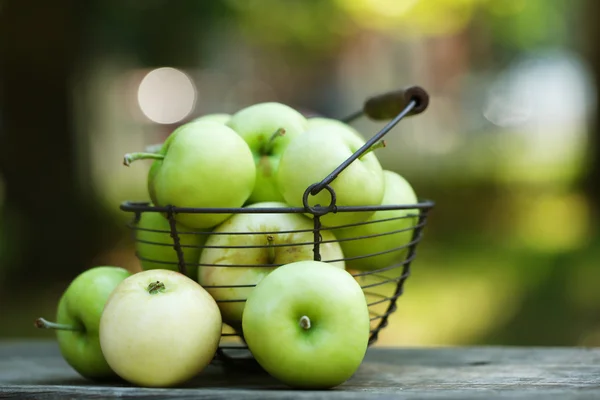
(400, 224)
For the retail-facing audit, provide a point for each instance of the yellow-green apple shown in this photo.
(307, 324)
(312, 156)
(217, 117)
(324, 121)
(202, 164)
(78, 320)
(221, 118)
(267, 128)
(389, 238)
(155, 247)
(265, 241)
(159, 328)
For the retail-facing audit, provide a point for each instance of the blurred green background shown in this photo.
(508, 148)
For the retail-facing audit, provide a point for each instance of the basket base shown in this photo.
(242, 360)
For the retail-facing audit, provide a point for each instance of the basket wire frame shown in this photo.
(396, 106)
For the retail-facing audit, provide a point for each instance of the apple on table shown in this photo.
(78, 320)
(159, 328)
(307, 324)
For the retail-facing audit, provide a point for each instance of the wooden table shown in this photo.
(35, 369)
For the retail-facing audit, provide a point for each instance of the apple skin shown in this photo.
(167, 254)
(81, 305)
(217, 117)
(324, 121)
(332, 349)
(398, 191)
(206, 164)
(312, 156)
(251, 275)
(221, 118)
(161, 339)
(256, 124)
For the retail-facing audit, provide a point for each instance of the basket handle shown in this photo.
(396, 104)
(387, 105)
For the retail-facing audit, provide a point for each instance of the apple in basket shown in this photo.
(312, 156)
(202, 164)
(383, 240)
(222, 118)
(248, 246)
(324, 121)
(154, 244)
(268, 128)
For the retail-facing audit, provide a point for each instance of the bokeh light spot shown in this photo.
(166, 95)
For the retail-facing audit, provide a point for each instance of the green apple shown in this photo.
(217, 117)
(307, 324)
(360, 252)
(237, 269)
(154, 244)
(324, 121)
(157, 154)
(202, 164)
(222, 118)
(312, 156)
(159, 328)
(267, 128)
(78, 320)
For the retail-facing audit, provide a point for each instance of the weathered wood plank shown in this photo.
(36, 370)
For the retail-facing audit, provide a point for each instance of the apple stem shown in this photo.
(268, 146)
(131, 157)
(375, 146)
(156, 287)
(271, 249)
(305, 322)
(42, 323)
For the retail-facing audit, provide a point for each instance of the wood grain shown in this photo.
(35, 369)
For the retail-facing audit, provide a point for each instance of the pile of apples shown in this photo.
(306, 322)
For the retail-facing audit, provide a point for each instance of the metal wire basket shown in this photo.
(382, 286)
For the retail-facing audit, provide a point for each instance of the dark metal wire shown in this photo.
(317, 238)
(393, 105)
(417, 234)
(314, 190)
(353, 116)
(144, 206)
(133, 225)
(293, 244)
(267, 265)
(176, 242)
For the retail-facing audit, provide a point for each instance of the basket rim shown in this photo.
(146, 206)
